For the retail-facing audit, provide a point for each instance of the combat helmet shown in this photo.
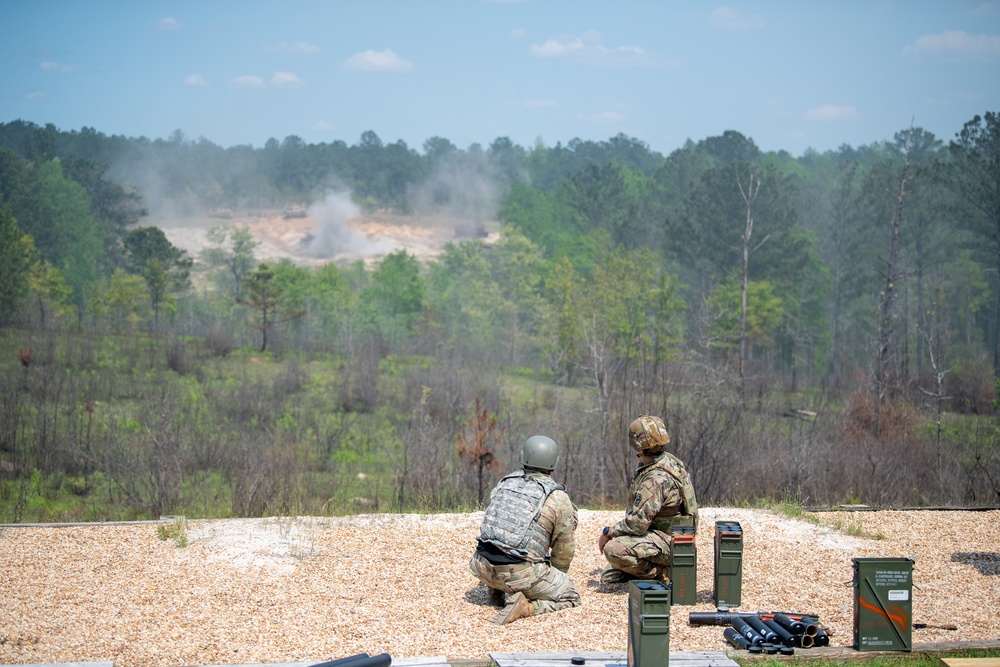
(647, 433)
(540, 452)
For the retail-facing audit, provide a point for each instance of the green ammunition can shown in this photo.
(683, 565)
(883, 604)
(728, 583)
(648, 623)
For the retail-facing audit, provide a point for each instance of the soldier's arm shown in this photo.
(645, 506)
(564, 522)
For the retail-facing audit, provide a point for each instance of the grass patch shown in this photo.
(175, 531)
(792, 505)
(855, 528)
(915, 659)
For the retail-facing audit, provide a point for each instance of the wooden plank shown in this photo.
(101, 663)
(435, 661)
(851, 653)
(553, 659)
(970, 662)
(608, 659)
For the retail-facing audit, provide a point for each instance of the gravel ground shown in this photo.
(310, 589)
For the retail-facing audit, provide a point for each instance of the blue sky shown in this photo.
(791, 74)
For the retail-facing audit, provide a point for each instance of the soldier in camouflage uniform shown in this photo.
(527, 539)
(661, 496)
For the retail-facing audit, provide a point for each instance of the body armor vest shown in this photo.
(687, 514)
(511, 521)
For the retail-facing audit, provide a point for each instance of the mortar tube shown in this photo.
(380, 660)
(807, 641)
(793, 626)
(787, 638)
(769, 635)
(821, 639)
(741, 627)
(713, 617)
(342, 662)
(811, 628)
(735, 639)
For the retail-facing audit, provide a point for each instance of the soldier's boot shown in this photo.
(518, 607)
(612, 575)
(497, 598)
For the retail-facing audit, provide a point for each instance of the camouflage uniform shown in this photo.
(640, 543)
(541, 576)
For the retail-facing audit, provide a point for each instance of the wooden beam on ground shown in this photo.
(851, 653)
(608, 659)
(970, 662)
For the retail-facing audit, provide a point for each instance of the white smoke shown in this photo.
(333, 235)
(461, 187)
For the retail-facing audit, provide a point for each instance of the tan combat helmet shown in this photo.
(646, 433)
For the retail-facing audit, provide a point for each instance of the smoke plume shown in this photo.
(333, 236)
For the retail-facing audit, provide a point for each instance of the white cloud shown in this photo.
(955, 43)
(731, 18)
(519, 33)
(169, 23)
(322, 125)
(196, 81)
(285, 80)
(986, 9)
(52, 66)
(831, 112)
(537, 104)
(603, 117)
(608, 117)
(553, 48)
(588, 48)
(301, 48)
(377, 61)
(37, 95)
(248, 81)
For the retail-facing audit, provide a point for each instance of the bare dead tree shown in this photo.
(749, 194)
(887, 298)
(937, 396)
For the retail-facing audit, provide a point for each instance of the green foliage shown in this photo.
(165, 269)
(764, 313)
(16, 250)
(121, 302)
(175, 531)
(231, 259)
(394, 299)
(49, 292)
(594, 304)
(792, 504)
(855, 528)
(73, 240)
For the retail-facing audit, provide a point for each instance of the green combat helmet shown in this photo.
(540, 452)
(645, 433)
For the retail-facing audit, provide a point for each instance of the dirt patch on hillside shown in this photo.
(310, 240)
(309, 589)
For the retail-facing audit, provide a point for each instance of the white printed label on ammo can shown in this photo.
(899, 596)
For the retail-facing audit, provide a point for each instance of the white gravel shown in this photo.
(309, 589)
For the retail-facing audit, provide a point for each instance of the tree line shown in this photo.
(785, 314)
